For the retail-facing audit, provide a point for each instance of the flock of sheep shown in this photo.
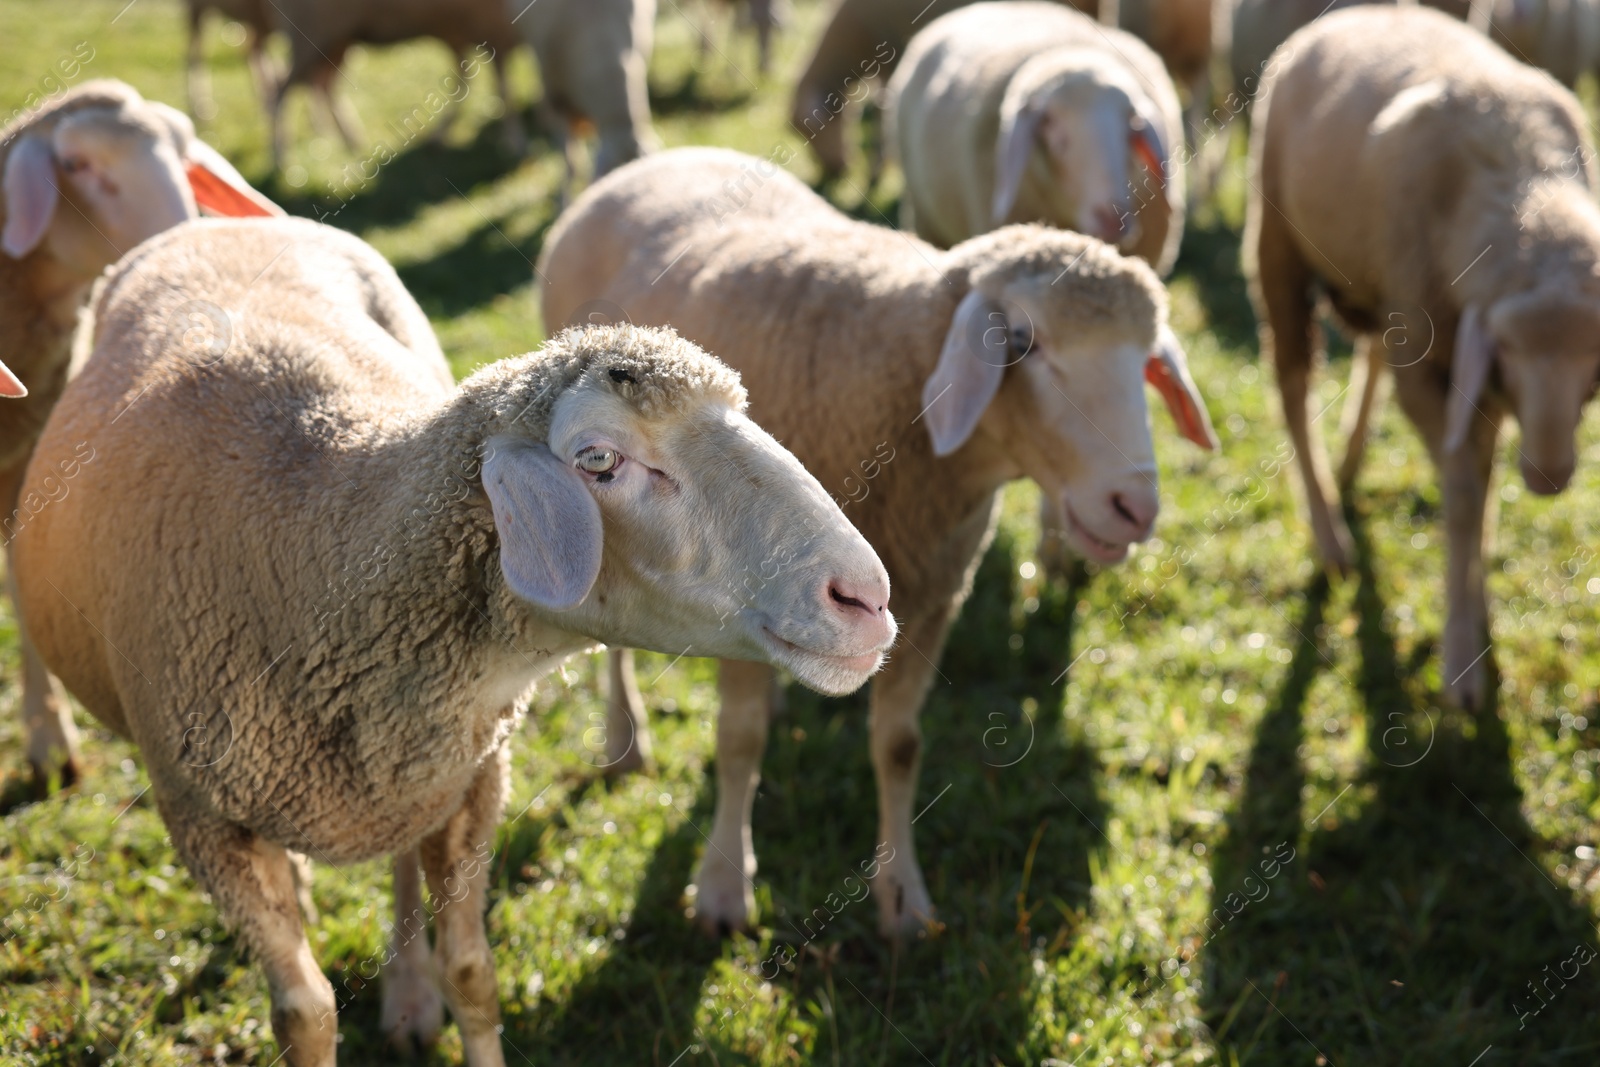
(256, 527)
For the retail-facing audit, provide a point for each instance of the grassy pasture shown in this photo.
(1204, 808)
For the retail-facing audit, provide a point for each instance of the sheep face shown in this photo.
(1086, 136)
(126, 173)
(1063, 402)
(1545, 347)
(716, 541)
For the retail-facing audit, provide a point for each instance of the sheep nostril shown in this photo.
(1121, 508)
(850, 602)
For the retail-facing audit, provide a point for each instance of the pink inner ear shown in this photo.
(31, 195)
(1179, 402)
(1147, 154)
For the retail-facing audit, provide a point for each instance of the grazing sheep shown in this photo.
(1444, 198)
(881, 361)
(376, 566)
(86, 178)
(320, 33)
(1024, 111)
(593, 56)
(862, 42)
(253, 15)
(1562, 36)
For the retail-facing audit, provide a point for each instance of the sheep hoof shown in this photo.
(413, 1011)
(630, 762)
(1337, 551)
(68, 775)
(905, 910)
(723, 905)
(1466, 674)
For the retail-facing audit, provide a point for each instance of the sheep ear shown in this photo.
(549, 525)
(1019, 128)
(1168, 370)
(1145, 140)
(10, 384)
(958, 391)
(31, 195)
(1469, 372)
(219, 188)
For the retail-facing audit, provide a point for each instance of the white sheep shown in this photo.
(85, 179)
(914, 383)
(1444, 199)
(320, 33)
(1026, 111)
(376, 565)
(593, 56)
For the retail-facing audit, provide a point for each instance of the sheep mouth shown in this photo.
(1096, 548)
(823, 671)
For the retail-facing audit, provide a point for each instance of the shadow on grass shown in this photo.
(419, 174)
(1412, 925)
(690, 97)
(958, 996)
(1209, 256)
(487, 263)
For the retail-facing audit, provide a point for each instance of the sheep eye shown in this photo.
(73, 164)
(1021, 341)
(600, 461)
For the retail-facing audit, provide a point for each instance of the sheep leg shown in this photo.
(201, 104)
(516, 138)
(1366, 378)
(339, 109)
(898, 693)
(300, 869)
(52, 736)
(1292, 335)
(1466, 476)
(627, 725)
(263, 72)
(724, 893)
(252, 882)
(455, 860)
(413, 1010)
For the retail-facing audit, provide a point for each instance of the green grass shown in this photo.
(1119, 758)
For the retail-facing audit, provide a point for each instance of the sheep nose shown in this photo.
(1136, 509)
(1547, 480)
(863, 606)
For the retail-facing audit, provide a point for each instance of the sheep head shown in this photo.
(655, 514)
(127, 169)
(1046, 360)
(1095, 133)
(1540, 347)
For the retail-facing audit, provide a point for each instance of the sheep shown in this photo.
(593, 56)
(376, 566)
(1563, 38)
(1444, 199)
(86, 177)
(1021, 111)
(865, 352)
(320, 33)
(253, 16)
